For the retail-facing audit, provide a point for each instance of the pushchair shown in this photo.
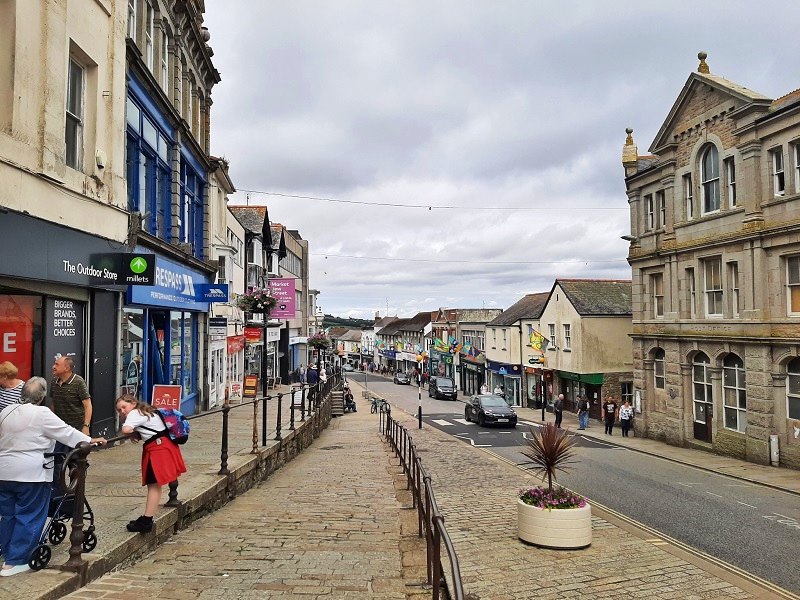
(60, 511)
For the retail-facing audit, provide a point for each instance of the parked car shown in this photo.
(489, 409)
(442, 387)
(401, 379)
(347, 367)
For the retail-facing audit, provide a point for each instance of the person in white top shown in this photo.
(162, 461)
(626, 417)
(27, 431)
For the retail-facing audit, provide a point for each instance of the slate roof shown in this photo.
(417, 322)
(352, 335)
(529, 306)
(251, 217)
(394, 327)
(383, 321)
(598, 297)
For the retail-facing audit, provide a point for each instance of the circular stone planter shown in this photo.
(562, 528)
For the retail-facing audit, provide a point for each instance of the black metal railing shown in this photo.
(308, 399)
(430, 519)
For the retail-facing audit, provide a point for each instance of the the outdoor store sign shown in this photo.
(37, 249)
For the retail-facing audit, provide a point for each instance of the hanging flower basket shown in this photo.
(319, 340)
(256, 301)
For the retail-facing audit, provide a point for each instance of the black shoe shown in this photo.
(142, 525)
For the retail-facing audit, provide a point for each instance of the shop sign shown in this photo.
(167, 396)
(60, 254)
(298, 340)
(235, 344)
(235, 391)
(252, 335)
(283, 290)
(218, 326)
(250, 386)
(63, 331)
(212, 292)
(174, 286)
(273, 334)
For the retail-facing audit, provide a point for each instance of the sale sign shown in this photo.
(17, 317)
(167, 396)
(283, 290)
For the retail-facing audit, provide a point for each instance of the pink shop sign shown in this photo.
(283, 290)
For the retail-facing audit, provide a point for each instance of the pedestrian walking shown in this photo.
(583, 412)
(484, 389)
(162, 461)
(558, 409)
(626, 417)
(10, 385)
(27, 431)
(609, 414)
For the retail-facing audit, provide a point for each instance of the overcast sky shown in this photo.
(511, 114)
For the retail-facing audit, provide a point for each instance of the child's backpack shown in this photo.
(177, 424)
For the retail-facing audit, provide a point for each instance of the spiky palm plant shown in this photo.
(550, 450)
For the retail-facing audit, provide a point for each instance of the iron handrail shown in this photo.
(73, 471)
(430, 518)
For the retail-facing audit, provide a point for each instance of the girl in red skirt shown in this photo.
(162, 461)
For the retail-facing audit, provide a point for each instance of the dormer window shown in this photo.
(709, 171)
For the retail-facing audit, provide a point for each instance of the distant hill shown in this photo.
(331, 321)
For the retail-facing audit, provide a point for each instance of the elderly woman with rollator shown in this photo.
(27, 431)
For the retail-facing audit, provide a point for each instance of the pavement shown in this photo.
(336, 522)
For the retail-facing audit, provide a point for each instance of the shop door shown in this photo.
(216, 387)
(703, 413)
(512, 391)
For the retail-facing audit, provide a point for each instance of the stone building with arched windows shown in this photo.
(715, 257)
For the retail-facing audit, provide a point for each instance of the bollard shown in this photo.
(264, 422)
(255, 427)
(173, 494)
(223, 469)
(278, 424)
(291, 413)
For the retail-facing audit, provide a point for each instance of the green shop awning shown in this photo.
(593, 378)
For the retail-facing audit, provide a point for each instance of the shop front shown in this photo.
(588, 385)
(473, 374)
(57, 299)
(534, 387)
(388, 359)
(440, 364)
(509, 378)
(160, 329)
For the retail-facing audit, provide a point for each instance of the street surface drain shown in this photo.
(331, 447)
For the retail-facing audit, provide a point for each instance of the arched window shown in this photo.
(658, 368)
(709, 174)
(735, 394)
(793, 389)
(701, 386)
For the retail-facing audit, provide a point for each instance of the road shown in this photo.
(753, 527)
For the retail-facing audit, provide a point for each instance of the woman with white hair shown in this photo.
(27, 431)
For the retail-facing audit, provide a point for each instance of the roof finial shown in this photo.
(703, 67)
(629, 140)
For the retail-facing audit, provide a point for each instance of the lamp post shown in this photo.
(419, 389)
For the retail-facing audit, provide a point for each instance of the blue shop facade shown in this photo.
(163, 333)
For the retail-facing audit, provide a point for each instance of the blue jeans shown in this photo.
(23, 508)
(583, 419)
